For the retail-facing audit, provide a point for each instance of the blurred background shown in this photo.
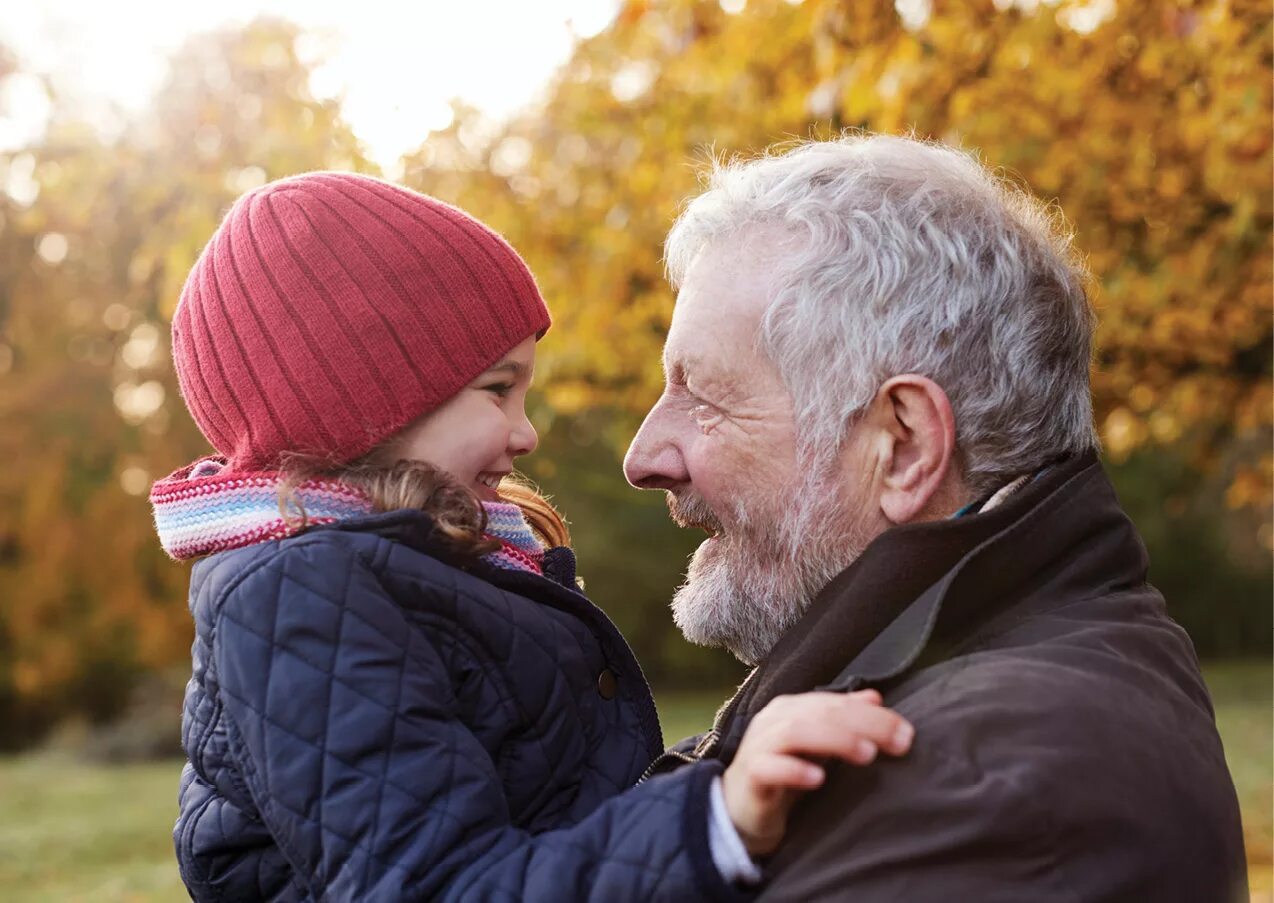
(577, 128)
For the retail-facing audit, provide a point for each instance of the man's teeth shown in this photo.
(491, 481)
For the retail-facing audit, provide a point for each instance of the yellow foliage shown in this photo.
(1150, 127)
(84, 589)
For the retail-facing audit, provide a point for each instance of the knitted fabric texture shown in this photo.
(206, 508)
(520, 549)
(330, 310)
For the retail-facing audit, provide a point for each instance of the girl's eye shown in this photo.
(500, 390)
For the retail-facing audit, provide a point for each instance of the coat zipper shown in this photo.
(708, 743)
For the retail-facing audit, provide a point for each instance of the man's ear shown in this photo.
(917, 446)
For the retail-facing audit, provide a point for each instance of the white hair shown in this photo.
(911, 257)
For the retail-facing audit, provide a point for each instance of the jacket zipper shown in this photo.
(708, 743)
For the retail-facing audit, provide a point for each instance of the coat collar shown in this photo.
(918, 587)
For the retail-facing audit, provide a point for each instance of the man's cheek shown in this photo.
(713, 475)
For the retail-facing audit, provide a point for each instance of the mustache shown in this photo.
(688, 510)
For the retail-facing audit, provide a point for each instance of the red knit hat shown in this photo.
(330, 310)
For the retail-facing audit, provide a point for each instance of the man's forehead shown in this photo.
(718, 314)
(710, 349)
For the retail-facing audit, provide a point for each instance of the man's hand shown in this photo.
(769, 772)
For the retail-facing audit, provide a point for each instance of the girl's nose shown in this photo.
(523, 438)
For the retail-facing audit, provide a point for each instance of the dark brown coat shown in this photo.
(1065, 743)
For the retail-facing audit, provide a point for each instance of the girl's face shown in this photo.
(477, 433)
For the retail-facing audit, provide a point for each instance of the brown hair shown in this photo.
(459, 519)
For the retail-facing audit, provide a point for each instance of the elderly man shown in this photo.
(878, 407)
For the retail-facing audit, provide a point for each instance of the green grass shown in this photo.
(1245, 719)
(685, 713)
(75, 832)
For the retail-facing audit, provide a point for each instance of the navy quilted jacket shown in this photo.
(365, 722)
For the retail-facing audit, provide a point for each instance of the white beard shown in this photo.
(747, 586)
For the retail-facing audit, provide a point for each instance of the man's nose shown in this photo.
(654, 458)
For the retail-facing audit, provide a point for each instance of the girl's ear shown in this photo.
(917, 445)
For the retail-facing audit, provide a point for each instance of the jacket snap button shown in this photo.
(606, 684)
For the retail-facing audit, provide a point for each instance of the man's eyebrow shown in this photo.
(678, 370)
(675, 371)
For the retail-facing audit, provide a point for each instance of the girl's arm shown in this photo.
(344, 726)
(342, 720)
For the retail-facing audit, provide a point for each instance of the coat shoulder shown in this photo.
(1111, 671)
(1052, 770)
(1099, 750)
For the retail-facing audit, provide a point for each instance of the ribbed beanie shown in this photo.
(330, 310)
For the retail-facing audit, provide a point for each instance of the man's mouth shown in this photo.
(491, 479)
(689, 512)
(712, 528)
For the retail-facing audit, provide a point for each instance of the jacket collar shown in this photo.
(415, 529)
(919, 587)
(408, 526)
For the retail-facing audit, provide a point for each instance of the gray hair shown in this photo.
(911, 257)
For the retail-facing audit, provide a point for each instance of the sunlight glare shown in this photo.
(395, 67)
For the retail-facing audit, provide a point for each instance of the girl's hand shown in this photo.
(769, 773)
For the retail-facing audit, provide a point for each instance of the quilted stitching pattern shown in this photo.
(365, 722)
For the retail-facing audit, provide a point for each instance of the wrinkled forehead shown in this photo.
(716, 323)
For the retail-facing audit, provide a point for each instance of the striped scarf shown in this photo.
(201, 509)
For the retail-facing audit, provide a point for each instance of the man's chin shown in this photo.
(726, 605)
(703, 619)
(716, 564)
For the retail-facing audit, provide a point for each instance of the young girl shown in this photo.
(398, 691)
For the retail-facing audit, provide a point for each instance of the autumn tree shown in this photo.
(93, 254)
(1149, 123)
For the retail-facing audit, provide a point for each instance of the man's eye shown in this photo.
(499, 389)
(705, 415)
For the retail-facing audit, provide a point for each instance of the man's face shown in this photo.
(722, 442)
